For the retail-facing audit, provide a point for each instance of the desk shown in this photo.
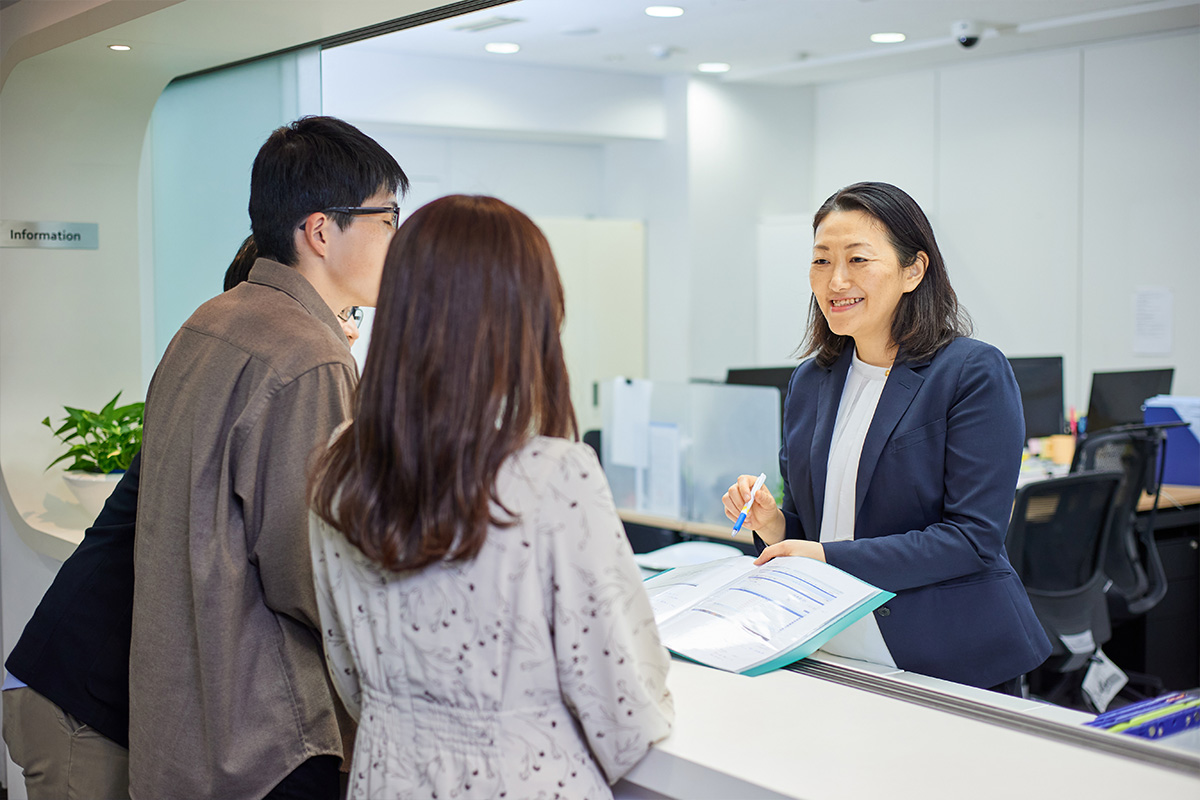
(709, 529)
(1181, 498)
(1173, 497)
(1177, 498)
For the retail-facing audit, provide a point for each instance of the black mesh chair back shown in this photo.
(1132, 562)
(1056, 542)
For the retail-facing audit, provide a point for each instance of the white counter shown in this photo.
(44, 514)
(792, 735)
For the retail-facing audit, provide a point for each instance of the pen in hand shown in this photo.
(758, 484)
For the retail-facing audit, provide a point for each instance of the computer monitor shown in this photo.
(764, 376)
(1040, 380)
(1116, 397)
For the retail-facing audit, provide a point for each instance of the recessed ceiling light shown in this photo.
(887, 38)
(504, 48)
(664, 11)
(713, 66)
(119, 47)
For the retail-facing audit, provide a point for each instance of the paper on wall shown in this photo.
(1152, 320)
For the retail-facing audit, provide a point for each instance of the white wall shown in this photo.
(1057, 182)
(1007, 210)
(554, 143)
(553, 178)
(701, 162)
(884, 129)
(749, 157)
(364, 84)
(1140, 196)
(648, 180)
(1042, 173)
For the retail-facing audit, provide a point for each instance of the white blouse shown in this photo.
(532, 670)
(864, 385)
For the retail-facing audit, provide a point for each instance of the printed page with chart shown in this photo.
(734, 616)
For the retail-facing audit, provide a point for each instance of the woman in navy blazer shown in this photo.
(914, 431)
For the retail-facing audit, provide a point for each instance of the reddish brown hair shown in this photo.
(465, 365)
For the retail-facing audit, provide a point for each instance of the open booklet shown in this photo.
(734, 616)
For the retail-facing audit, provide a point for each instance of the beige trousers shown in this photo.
(62, 758)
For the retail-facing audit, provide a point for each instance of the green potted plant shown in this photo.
(101, 444)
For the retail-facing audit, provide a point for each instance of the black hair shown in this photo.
(927, 318)
(313, 164)
(239, 268)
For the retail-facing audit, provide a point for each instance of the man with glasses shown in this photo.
(229, 696)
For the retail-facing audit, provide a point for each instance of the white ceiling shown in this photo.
(782, 41)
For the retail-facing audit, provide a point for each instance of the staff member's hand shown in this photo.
(764, 516)
(792, 547)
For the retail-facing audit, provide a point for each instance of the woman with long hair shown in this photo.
(483, 617)
(902, 444)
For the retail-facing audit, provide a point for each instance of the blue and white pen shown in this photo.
(758, 484)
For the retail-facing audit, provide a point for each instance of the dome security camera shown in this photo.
(967, 32)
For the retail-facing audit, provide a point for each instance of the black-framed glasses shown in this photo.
(351, 313)
(358, 211)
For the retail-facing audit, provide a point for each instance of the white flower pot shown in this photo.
(92, 489)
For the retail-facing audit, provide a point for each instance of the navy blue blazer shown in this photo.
(935, 490)
(75, 649)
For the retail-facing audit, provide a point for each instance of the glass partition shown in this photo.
(204, 134)
(673, 449)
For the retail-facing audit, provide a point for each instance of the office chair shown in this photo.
(592, 439)
(1056, 542)
(1132, 563)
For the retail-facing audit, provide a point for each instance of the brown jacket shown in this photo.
(228, 687)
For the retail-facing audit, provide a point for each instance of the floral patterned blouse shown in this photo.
(532, 671)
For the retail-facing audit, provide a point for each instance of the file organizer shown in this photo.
(1182, 465)
(1155, 718)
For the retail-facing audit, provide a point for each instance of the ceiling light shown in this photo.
(713, 66)
(664, 11)
(504, 48)
(487, 24)
(887, 38)
(119, 47)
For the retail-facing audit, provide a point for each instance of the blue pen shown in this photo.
(758, 484)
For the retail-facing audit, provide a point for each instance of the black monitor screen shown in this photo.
(1117, 397)
(762, 376)
(1041, 383)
